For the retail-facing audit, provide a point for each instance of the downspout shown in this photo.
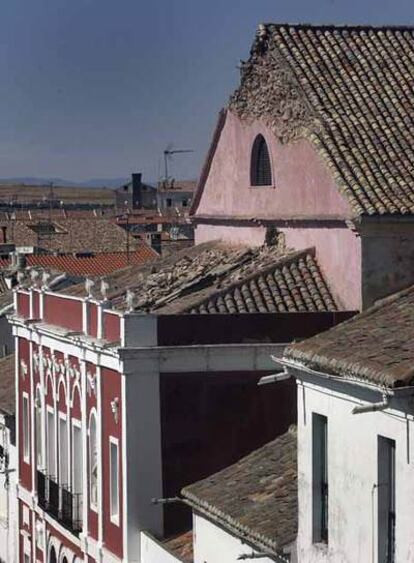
(372, 407)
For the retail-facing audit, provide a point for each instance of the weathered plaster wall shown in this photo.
(253, 236)
(215, 545)
(302, 186)
(352, 470)
(338, 251)
(387, 262)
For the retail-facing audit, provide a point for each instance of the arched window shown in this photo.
(93, 463)
(260, 169)
(52, 555)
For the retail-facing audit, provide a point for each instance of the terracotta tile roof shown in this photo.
(376, 345)
(181, 546)
(293, 283)
(350, 91)
(256, 498)
(7, 385)
(3, 285)
(72, 235)
(98, 265)
(219, 278)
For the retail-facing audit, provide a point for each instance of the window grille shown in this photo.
(260, 169)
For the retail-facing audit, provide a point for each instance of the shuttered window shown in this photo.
(260, 169)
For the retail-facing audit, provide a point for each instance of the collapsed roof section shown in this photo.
(349, 91)
(219, 278)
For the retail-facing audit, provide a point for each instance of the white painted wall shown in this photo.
(214, 545)
(8, 501)
(352, 470)
(154, 552)
(142, 459)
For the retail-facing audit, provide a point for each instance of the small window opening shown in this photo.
(260, 169)
(320, 477)
(114, 482)
(386, 500)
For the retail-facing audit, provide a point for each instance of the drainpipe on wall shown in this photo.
(380, 406)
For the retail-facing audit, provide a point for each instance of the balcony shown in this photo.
(58, 501)
(71, 510)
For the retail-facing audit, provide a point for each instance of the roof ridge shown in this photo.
(342, 26)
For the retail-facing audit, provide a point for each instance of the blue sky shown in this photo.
(98, 88)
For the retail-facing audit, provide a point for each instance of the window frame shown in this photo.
(92, 505)
(62, 417)
(38, 420)
(26, 427)
(386, 491)
(51, 411)
(114, 516)
(259, 140)
(320, 479)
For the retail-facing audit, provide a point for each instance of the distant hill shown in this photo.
(91, 183)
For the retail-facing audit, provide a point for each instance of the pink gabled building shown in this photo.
(327, 112)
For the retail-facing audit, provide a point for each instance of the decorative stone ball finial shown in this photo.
(21, 278)
(130, 300)
(34, 276)
(104, 289)
(89, 286)
(45, 279)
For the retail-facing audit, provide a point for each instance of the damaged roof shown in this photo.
(376, 345)
(215, 277)
(255, 499)
(349, 90)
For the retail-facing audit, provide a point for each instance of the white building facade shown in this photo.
(8, 497)
(356, 437)
(357, 528)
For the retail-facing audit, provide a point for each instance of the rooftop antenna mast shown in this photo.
(168, 153)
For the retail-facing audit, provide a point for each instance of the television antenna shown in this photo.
(168, 153)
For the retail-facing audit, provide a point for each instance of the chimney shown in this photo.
(136, 190)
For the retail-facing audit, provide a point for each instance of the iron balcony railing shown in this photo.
(71, 510)
(60, 502)
(41, 490)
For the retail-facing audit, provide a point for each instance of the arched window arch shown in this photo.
(52, 555)
(260, 167)
(93, 462)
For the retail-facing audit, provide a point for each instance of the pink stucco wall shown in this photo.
(338, 251)
(252, 236)
(302, 185)
(302, 189)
